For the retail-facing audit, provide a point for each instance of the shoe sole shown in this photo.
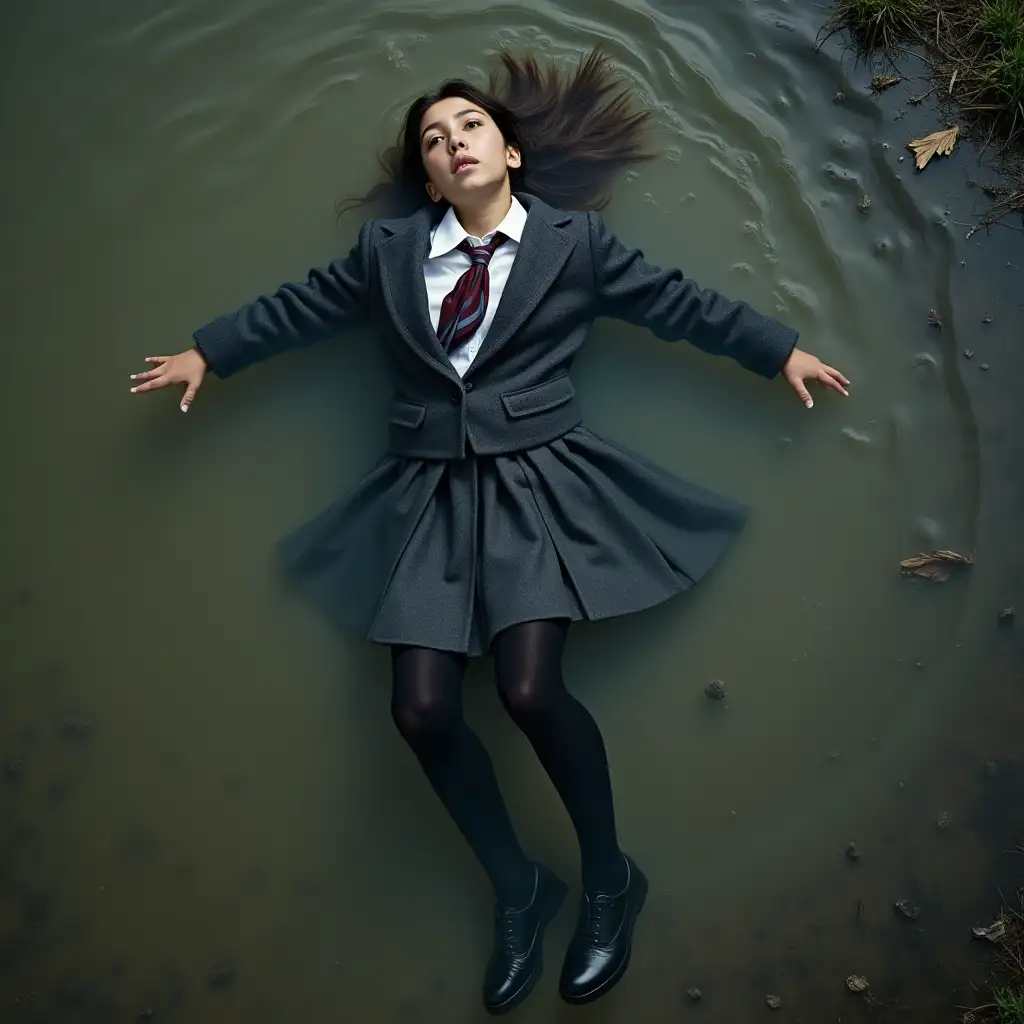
(550, 913)
(610, 982)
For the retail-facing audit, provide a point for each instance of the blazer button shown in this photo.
(469, 385)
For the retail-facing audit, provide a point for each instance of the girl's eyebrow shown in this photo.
(437, 124)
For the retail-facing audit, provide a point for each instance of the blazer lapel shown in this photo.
(405, 293)
(543, 250)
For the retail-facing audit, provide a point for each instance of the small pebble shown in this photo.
(694, 994)
(221, 975)
(857, 983)
(147, 1013)
(968, 353)
(983, 366)
(773, 1002)
(852, 851)
(909, 910)
(1007, 613)
(944, 820)
(986, 319)
(715, 689)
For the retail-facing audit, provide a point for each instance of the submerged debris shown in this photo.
(909, 910)
(852, 851)
(857, 983)
(882, 82)
(994, 932)
(933, 565)
(865, 203)
(944, 820)
(694, 994)
(1007, 613)
(773, 1002)
(220, 974)
(715, 689)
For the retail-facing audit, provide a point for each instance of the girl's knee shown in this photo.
(424, 720)
(526, 696)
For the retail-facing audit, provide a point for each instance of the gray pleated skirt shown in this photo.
(445, 554)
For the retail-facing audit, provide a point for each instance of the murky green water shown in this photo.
(201, 771)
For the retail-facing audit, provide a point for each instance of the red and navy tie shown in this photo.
(462, 311)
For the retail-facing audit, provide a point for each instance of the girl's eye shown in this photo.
(473, 120)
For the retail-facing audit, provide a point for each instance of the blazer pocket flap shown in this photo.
(407, 414)
(538, 398)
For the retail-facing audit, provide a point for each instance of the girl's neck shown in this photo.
(481, 219)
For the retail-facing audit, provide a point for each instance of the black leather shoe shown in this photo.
(517, 959)
(598, 954)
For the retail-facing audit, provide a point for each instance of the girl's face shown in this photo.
(463, 151)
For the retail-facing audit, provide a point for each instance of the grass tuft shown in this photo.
(1004, 74)
(1009, 1004)
(1003, 21)
(878, 23)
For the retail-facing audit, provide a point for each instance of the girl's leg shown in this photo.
(426, 705)
(528, 664)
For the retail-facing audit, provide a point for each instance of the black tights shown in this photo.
(426, 704)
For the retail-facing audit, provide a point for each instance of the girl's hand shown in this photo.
(185, 368)
(802, 366)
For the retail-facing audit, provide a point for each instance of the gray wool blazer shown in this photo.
(517, 393)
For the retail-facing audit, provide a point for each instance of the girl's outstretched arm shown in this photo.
(296, 314)
(674, 308)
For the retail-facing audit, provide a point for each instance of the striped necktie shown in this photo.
(462, 311)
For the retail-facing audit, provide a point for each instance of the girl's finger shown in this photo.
(151, 385)
(190, 394)
(838, 376)
(148, 374)
(805, 395)
(156, 359)
(833, 382)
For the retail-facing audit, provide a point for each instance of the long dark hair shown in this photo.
(574, 132)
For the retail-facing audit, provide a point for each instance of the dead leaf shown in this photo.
(933, 565)
(882, 82)
(937, 144)
(994, 932)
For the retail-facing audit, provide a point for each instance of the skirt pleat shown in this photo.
(446, 554)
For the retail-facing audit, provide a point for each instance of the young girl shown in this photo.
(497, 519)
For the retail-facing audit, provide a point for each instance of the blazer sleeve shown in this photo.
(675, 308)
(296, 314)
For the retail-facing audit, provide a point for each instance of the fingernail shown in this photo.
(184, 408)
(810, 403)
(131, 376)
(133, 390)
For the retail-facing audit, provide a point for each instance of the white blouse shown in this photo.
(444, 266)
